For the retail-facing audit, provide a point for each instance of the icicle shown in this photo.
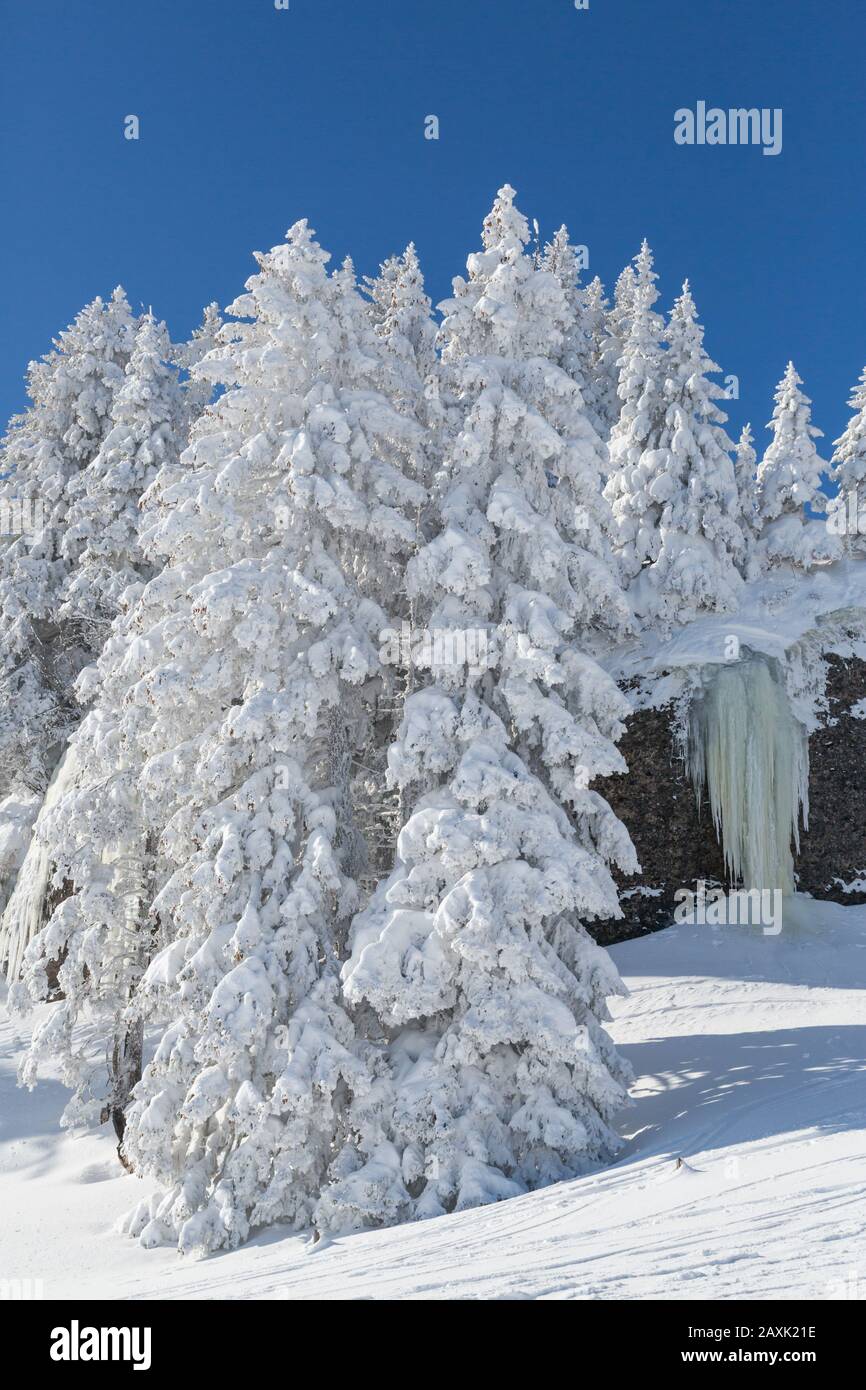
(752, 755)
(24, 914)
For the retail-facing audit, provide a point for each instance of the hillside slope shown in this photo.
(750, 1054)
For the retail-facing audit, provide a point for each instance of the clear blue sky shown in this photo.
(253, 117)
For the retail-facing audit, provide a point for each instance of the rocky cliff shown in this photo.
(676, 842)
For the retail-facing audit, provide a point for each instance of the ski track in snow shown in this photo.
(750, 1058)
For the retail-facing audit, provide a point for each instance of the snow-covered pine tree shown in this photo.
(472, 957)
(88, 841)
(401, 313)
(636, 459)
(90, 954)
(620, 314)
(580, 336)
(104, 567)
(691, 478)
(71, 390)
(408, 365)
(92, 840)
(849, 472)
(600, 397)
(789, 479)
(745, 470)
(613, 336)
(251, 669)
(197, 390)
(100, 539)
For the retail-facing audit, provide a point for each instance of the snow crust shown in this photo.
(776, 614)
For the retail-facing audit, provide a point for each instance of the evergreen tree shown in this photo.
(401, 314)
(636, 488)
(586, 345)
(94, 836)
(789, 479)
(613, 336)
(690, 477)
(849, 471)
(600, 396)
(72, 390)
(102, 568)
(472, 957)
(745, 470)
(245, 683)
(197, 390)
(560, 259)
(100, 538)
(619, 318)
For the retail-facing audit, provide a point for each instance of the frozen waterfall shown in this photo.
(751, 757)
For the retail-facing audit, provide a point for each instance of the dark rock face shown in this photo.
(676, 842)
(834, 846)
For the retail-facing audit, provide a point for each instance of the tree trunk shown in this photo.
(127, 1053)
(126, 1063)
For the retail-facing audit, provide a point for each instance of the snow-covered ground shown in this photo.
(750, 1053)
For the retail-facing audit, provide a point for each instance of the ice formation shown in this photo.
(750, 756)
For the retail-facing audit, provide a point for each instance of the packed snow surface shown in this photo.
(750, 1056)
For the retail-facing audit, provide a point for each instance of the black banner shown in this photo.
(237, 1337)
